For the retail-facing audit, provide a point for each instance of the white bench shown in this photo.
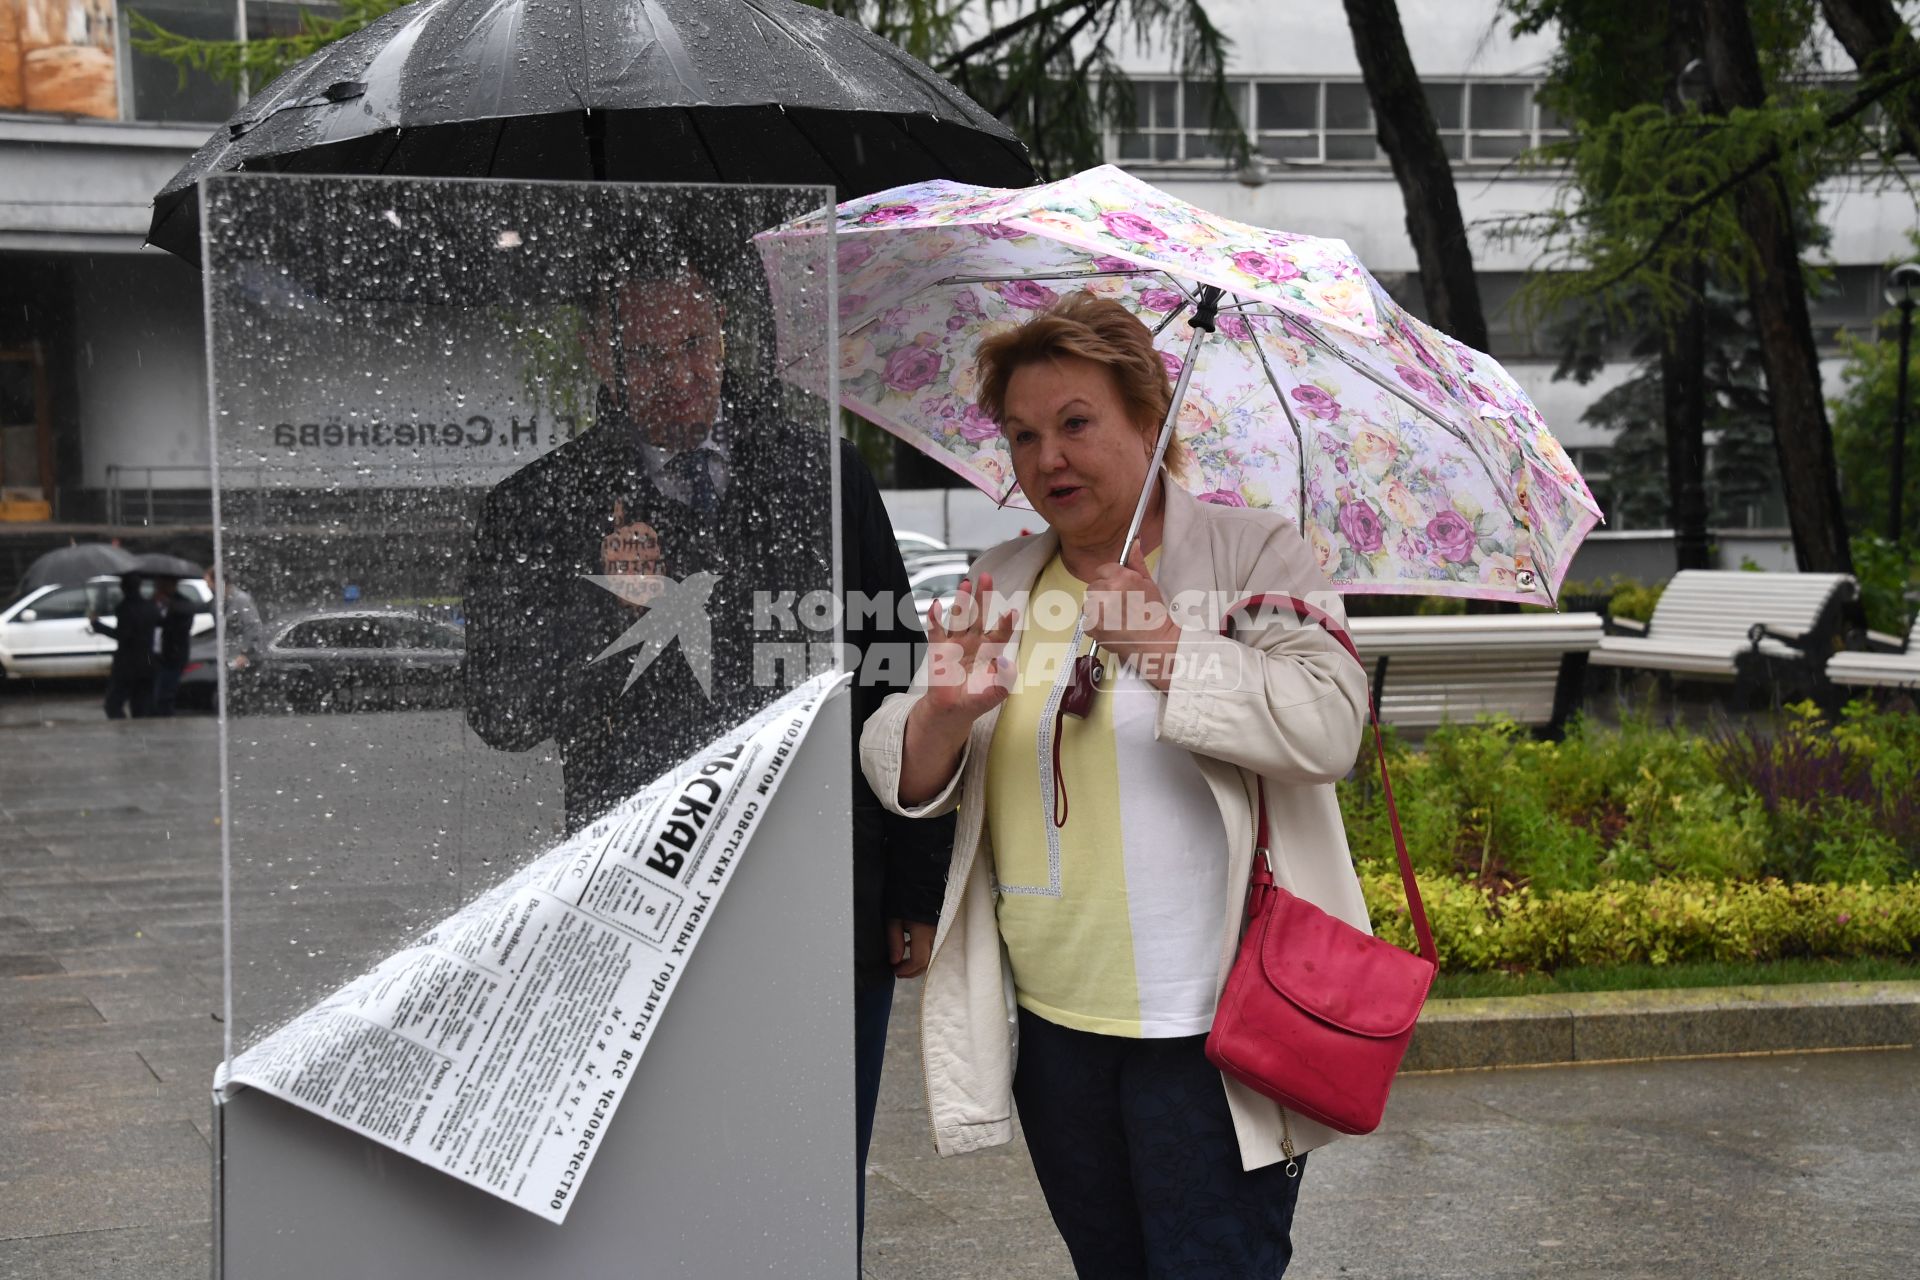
(1434, 670)
(1730, 625)
(1890, 664)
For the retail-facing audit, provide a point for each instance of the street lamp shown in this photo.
(1902, 283)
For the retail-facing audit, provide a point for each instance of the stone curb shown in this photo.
(1517, 1031)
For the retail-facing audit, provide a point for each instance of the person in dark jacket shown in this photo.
(130, 679)
(690, 470)
(172, 641)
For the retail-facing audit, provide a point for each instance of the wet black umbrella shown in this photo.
(72, 565)
(762, 91)
(155, 565)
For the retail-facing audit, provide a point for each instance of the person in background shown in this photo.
(1101, 863)
(130, 679)
(172, 641)
(246, 627)
(689, 467)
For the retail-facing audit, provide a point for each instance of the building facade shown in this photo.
(103, 403)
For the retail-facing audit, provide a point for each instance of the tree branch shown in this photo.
(1772, 154)
(1039, 65)
(1000, 35)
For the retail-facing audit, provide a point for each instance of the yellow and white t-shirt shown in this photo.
(1112, 922)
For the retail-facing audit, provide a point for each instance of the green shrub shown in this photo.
(1632, 600)
(1659, 922)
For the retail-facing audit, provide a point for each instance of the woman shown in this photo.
(1105, 892)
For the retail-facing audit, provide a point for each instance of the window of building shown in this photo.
(1849, 300)
(1332, 121)
(156, 89)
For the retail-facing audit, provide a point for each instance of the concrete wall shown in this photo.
(140, 367)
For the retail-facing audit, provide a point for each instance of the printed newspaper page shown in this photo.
(496, 1046)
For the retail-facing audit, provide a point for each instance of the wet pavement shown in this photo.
(110, 976)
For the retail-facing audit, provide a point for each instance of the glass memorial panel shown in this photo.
(507, 476)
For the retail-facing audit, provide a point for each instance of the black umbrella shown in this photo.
(156, 565)
(739, 91)
(72, 565)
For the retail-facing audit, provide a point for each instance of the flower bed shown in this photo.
(1649, 845)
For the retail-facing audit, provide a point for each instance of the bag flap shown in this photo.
(1338, 974)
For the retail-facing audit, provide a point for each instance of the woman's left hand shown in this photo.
(1127, 616)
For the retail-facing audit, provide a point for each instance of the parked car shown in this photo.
(45, 633)
(374, 658)
(935, 580)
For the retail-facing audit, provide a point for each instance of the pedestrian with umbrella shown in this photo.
(173, 615)
(134, 628)
(1115, 763)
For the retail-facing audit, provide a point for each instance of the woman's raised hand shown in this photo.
(969, 672)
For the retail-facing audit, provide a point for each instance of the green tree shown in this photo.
(1661, 198)
(1863, 428)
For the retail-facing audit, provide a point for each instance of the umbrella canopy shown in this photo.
(1412, 463)
(760, 91)
(72, 565)
(156, 565)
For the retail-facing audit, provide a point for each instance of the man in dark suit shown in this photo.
(690, 469)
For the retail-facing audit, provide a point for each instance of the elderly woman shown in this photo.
(1102, 888)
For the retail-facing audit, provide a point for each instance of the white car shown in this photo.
(934, 580)
(45, 633)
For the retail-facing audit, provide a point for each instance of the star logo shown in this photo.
(675, 611)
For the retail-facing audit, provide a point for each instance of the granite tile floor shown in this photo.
(110, 974)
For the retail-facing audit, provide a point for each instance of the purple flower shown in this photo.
(1340, 465)
(1131, 226)
(1361, 525)
(1296, 330)
(855, 254)
(1223, 497)
(1481, 394)
(1237, 328)
(1316, 403)
(1115, 264)
(957, 323)
(1173, 363)
(1025, 293)
(1162, 300)
(1265, 266)
(1419, 380)
(1452, 536)
(999, 231)
(887, 214)
(976, 426)
(911, 368)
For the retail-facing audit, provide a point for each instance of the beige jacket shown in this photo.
(1283, 702)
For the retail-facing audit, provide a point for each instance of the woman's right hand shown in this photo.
(968, 674)
(968, 671)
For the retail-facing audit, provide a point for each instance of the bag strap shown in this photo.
(1262, 867)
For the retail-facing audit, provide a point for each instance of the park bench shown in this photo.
(1764, 631)
(1429, 671)
(1888, 661)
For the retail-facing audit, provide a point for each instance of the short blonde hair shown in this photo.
(1096, 329)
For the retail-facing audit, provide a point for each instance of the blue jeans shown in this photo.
(872, 1005)
(1135, 1151)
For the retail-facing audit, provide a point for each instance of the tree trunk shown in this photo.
(1412, 142)
(1877, 39)
(1778, 293)
(1683, 345)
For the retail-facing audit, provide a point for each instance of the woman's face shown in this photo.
(1080, 459)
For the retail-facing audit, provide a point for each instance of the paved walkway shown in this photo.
(110, 972)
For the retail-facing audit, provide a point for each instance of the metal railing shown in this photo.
(133, 497)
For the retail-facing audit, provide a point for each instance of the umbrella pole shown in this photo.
(1205, 314)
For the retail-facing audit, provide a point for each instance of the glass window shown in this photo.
(1502, 106)
(1292, 106)
(1290, 146)
(68, 602)
(1551, 121)
(159, 89)
(1348, 107)
(1448, 100)
(1351, 146)
(1849, 299)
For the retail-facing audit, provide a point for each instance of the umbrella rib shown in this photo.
(1299, 436)
(1048, 275)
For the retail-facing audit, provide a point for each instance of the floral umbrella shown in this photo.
(1411, 462)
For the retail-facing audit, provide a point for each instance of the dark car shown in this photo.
(385, 659)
